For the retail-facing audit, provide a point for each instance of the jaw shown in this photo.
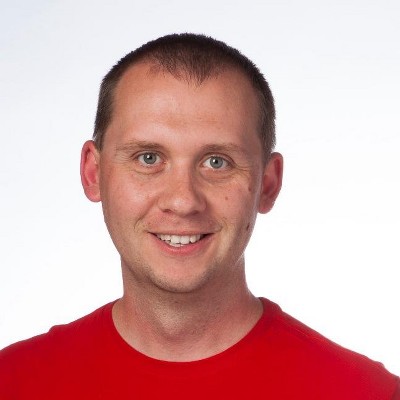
(162, 268)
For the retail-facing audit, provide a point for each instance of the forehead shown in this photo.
(225, 102)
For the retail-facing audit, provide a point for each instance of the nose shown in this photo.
(182, 193)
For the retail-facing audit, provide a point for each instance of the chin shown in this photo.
(182, 284)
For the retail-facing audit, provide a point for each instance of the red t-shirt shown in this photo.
(280, 358)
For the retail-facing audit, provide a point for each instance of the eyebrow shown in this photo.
(137, 144)
(222, 147)
(209, 148)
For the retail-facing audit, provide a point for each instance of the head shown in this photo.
(182, 163)
(193, 58)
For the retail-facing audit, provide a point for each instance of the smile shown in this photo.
(178, 241)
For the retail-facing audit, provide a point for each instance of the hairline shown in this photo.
(180, 74)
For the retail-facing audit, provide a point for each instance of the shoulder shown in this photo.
(58, 345)
(310, 354)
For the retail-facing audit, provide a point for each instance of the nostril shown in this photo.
(183, 198)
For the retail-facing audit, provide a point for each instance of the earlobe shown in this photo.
(90, 171)
(272, 182)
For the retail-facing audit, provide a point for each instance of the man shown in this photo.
(182, 161)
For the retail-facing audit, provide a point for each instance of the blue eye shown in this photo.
(149, 158)
(215, 162)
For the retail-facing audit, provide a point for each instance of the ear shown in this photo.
(90, 171)
(272, 182)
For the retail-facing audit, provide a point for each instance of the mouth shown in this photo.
(179, 240)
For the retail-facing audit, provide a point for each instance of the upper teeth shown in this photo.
(178, 240)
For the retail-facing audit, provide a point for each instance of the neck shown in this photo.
(185, 326)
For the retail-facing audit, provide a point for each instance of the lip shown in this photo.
(185, 250)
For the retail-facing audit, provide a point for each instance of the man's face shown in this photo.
(181, 178)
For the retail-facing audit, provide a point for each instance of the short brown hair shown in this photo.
(195, 58)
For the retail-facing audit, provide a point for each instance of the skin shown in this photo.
(183, 159)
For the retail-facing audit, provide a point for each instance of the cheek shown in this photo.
(237, 204)
(127, 199)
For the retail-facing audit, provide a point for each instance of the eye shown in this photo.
(149, 159)
(216, 162)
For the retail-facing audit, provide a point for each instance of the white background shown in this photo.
(329, 251)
